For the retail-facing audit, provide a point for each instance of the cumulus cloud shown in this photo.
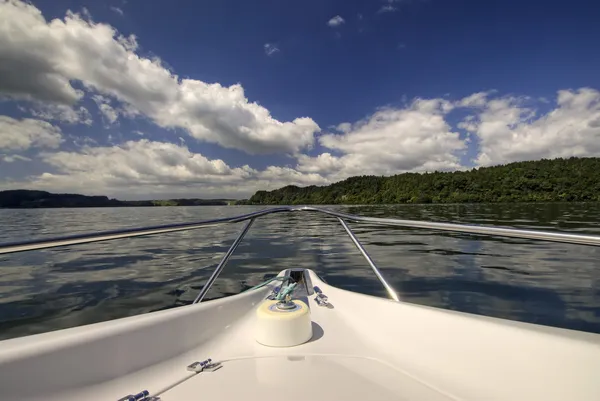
(325, 164)
(55, 64)
(62, 113)
(270, 49)
(344, 127)
(336, 21)
(419, 137)
(275, 177)
(510, 130)
(157, 168)
(415, 138)
(478, 99)
(26, 70)
(128, 164)
(39, 59)
(28, 133)
(14, 158)
(110, 114)
(147, 165)
(390, 6)
(117, 10)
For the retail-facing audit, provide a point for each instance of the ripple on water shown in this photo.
(533, 281)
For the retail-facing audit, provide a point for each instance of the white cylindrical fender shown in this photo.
(283, 328)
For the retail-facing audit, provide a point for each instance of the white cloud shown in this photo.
(45, 62)
(28, 133)
(119, 167)
(26, 70)
(110, 114)
(38, 60)
(14, 158)
(508, 130)
(117, 10)
(84, 11)
(160, 168)
(81, 141)
(478, 99)
(344, 127)
(324, 164)
(129, 42)
(276, 177)
(388, 8)
(270, 49)
(468, 124)
(62, 113)
(416, 138)
(336, 21)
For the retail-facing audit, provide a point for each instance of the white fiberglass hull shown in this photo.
(362, 348)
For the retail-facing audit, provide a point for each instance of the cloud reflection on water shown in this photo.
(547, 283)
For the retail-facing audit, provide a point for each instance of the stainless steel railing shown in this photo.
(342, 218)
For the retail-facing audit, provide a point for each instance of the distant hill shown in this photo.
(557, 180)
(24, 198)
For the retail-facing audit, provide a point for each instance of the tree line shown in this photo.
(28, 199)
(557, 180)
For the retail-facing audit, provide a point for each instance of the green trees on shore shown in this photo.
(557, 180)
(28, 199)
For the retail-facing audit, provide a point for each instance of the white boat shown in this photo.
(298, 338)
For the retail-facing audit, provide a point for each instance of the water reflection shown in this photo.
(547, 283)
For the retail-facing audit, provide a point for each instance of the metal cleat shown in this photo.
(211, 367)
(272, 296)
(204, 366)
(321, 299)
(141, 396)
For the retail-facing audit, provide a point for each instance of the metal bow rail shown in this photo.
(342, 218)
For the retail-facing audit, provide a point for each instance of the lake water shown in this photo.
(546, 283)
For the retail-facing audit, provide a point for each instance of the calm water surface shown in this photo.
(532, 281)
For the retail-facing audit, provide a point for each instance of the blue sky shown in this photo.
(223, 98)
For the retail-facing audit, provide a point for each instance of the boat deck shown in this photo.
(334, 365)
(362, 348)
(303, 378)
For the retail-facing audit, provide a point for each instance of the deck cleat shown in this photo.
(322, 299)
(204, 366)
(141, 396)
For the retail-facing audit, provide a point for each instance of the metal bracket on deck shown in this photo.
(273, 295)
(204, 366)
(321, 299)
(143, 395)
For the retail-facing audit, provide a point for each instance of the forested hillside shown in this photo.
(27, 199)
(557, 180)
